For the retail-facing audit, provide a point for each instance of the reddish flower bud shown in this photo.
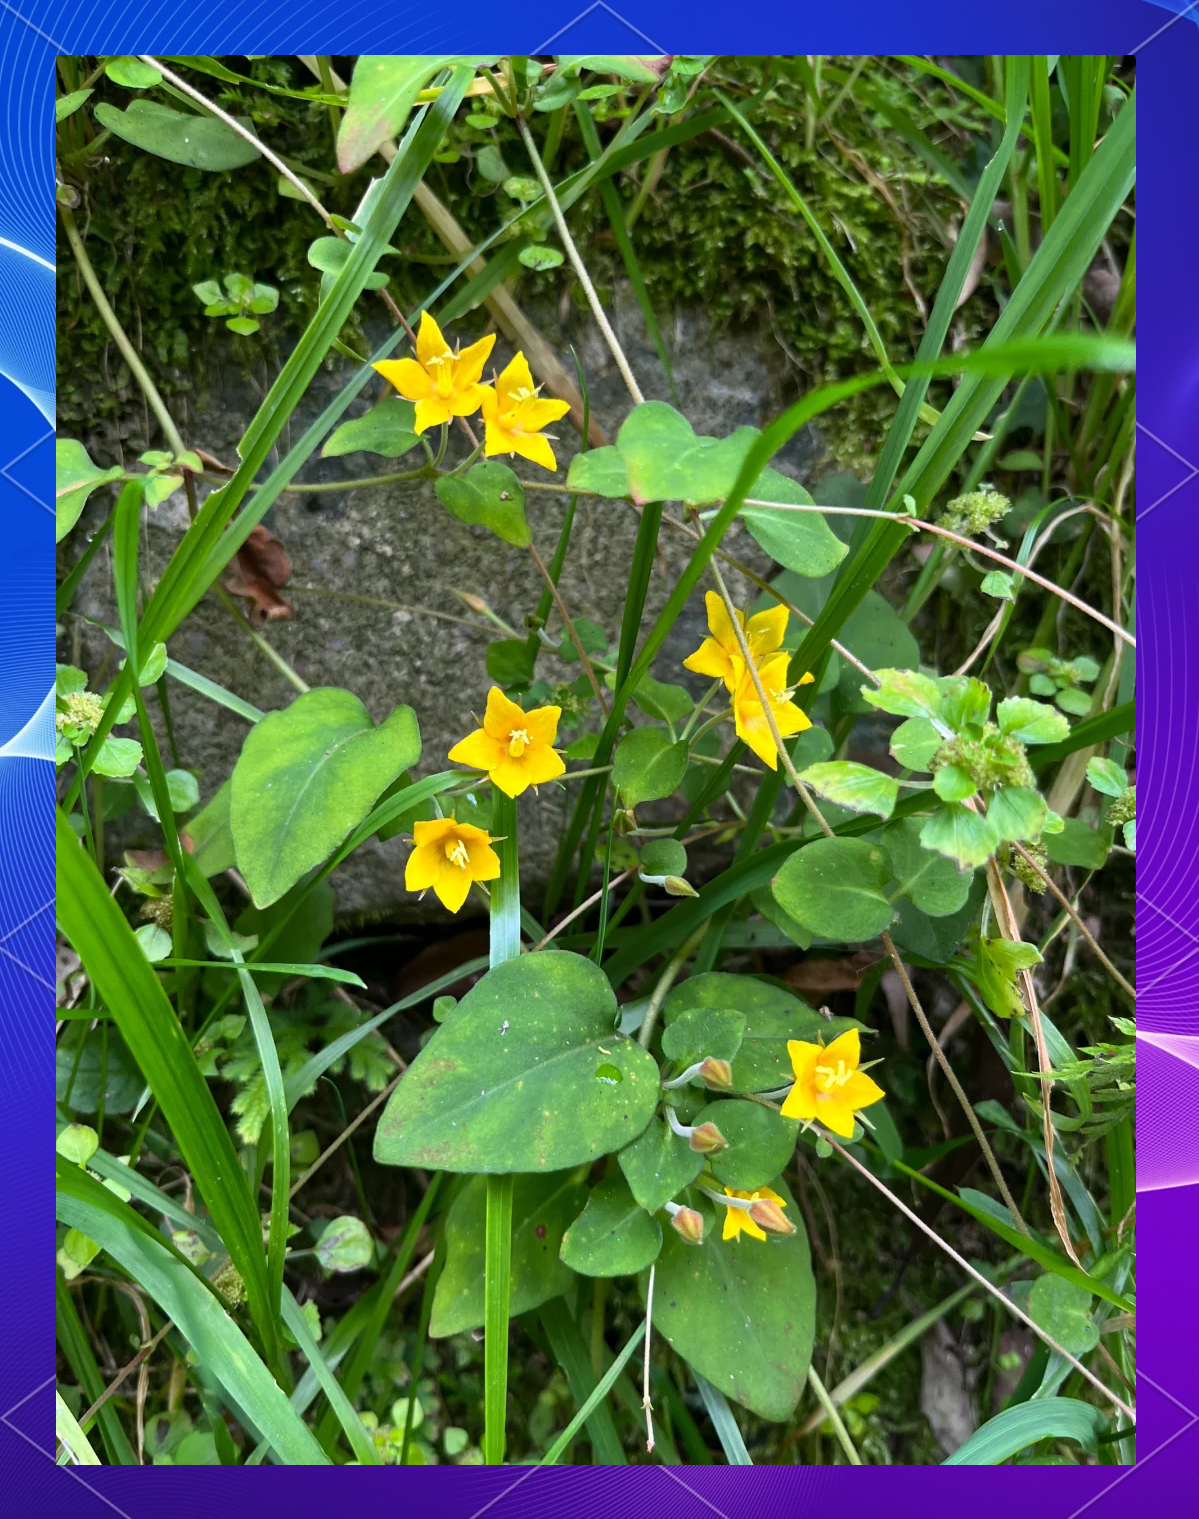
(689, 1224)
(717, 1074)
(708, 1139)
(768, 1215)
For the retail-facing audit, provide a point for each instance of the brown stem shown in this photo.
(1072, 913)
(570, 628)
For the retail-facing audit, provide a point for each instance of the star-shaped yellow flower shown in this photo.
(752, 727)
(514, 747)
(739, 1220)
(828, 1085)
(514, 415)
(443, 384)
(720, 655)
(448, 856)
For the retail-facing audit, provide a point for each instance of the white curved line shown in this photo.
(38, 259)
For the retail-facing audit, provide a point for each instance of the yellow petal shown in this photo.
(477, 749)
(543, 764)
(469, 364)
(408, 378)
(515, 377)
(502, 716)
(469, 834)
(430, 344)
(534, 415)
(800, 1102)
(803, 1057)
(432, 413)
(790, 719)
(541, 724)
(719, 625)
(753, 732)
(860, 1091)
(835, 1113)
(732, 1226)
(766, 629)
(484, 862)
(773, 671)
(423, 867)
(464, 403)
(489, 402)
(535, 447)
(772, 1195)
(711, 660)
(847, 1047)
(806, 678)
(452, 886)
(496, 440)
(435, 831)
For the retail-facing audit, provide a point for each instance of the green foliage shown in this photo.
(388, 429)
(834, 887)
(613, 1236)
(197, 142)
(489, 495)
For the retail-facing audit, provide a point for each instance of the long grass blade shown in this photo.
(75, 1346)
(219, 1345)
(571, 1354)
(135, 1000)
(1017, 1428)
(602, 1388)
(364, 1448)
(70, 1436)
(725, 1425)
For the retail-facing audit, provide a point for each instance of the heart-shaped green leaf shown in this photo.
(200, 142)
(305, 777)
(600, 471)
(933, 882)
(1017, 812)
(658, 1165)
(613, 1236)
(75, 478)
(835, 888)
(1063, 1310)
(388, 430)
(1032, 722)
(799, 541)
(915, 742)
(489, 496)
(772, 1016)
(741, 1312)
(966, 837)
(666, 461)
(383, 91)
(542, 1207)
(647, 766)
(526, 1074)
(700, 1032)
(761, 1142)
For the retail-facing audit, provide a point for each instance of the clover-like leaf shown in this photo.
(489, 495)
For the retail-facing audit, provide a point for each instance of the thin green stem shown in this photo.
(667, 980)
(834, 1418)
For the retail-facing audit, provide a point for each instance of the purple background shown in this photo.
(1168, 1132)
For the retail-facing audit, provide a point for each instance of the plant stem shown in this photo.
(1068, 906)
(570, 628)
(260, 643)
(109, 317)
(834, 1418)
(667, 980)
(579, 267)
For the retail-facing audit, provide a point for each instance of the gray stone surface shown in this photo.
(397, 545)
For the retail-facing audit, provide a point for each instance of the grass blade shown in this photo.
(1016, 1428)
(134, 998)
(74, 1344)
(70, 1436)
(497, 1289)
(571, 1354)
(361, 1444)
(723, 1422)
(602, 1388)
(219, 1345)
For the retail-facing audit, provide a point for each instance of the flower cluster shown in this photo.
(446, 383)
(720, 656)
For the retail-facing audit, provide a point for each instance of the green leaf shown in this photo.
(591, 636)
(1079, 845)
(763, 901)
(491, 496)
(657, 698)
(647, 766)
(542, 1209)
(389, 429)
(932, 882)
(835, 888)
(773, 1015)
(904, 693)
(600, 472)
(1025, 1424)
(666, 461)
(1063, 1310)
(1106, 776)
(331, 254)
(132, 73)
(383, 91)
(305, 777)
(1017, 812)
(509, 662)
(658, 1165)
(67, 105)
(118, 757)
(155, 942)
(1076, 703)
(636, 70)
(1032, 722)
(243, 326)
(663, 857)
(968, 838)
(996, 963)
(741, 1313)
(75, 478)
(538, 255)
(215, 1340)
(800, 541)
(613, 1236)
(700, 1032)
(861, 788)
(965, 702)
(998, 584)
(211, 836)
(761, 1142)
(199, 142)
(953, 784)
(526, 1074)
(345, 1245)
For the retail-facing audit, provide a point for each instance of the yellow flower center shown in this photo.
(455, 852)
(829, 1078)
(518, 742)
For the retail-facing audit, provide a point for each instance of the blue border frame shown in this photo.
(1165, 35)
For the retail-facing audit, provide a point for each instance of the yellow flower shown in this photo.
(738, 1220)
(514, 747)
(752, 727)
(828, 1085)
(514, 415)
(448, 856)
(720, 655)
(443, 384)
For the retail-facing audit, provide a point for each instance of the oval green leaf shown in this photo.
(835, 888)
(200, 142)
(647, 766)
(761, 1142)
(388, 430)
(489, 496)
(613, 1236)
(658, 1165)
